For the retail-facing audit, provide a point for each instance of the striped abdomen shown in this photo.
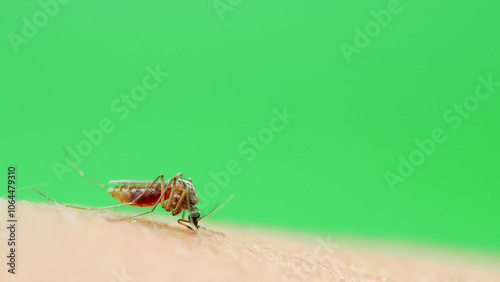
(127, 193)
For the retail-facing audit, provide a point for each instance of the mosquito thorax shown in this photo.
(193, 195)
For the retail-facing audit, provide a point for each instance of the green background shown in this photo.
(325, 171)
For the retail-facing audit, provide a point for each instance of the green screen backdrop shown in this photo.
(375, 119)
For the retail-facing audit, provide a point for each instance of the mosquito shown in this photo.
(174, 195)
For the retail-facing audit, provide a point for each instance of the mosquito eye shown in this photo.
(195, 214)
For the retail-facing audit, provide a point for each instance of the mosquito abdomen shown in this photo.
(127, 193)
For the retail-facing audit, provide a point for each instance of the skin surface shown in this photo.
(62, 244)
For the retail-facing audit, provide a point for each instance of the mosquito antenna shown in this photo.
(214, 210)
(218, 208)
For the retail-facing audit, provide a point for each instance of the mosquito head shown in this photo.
(195, 216)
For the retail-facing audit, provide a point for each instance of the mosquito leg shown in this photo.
(100, 208)
(80, 171)
(178, 208)
(180, 221)
(75, 207)
(168, 204)
(164, 188)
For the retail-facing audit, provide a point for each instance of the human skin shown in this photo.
(62, 244)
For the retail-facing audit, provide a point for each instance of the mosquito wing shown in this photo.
(130, 181)
(133, 181)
